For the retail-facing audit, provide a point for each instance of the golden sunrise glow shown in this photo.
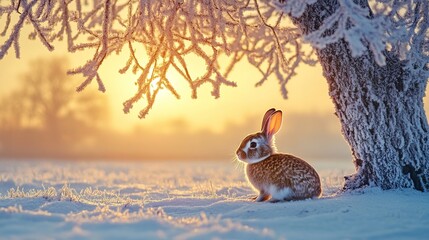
(307, 93)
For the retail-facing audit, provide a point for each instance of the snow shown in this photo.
(191, 200)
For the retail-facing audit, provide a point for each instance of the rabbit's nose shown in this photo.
(241, 154)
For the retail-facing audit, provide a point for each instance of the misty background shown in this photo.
(43, 117)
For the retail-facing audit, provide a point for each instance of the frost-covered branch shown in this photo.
(352, 23)
(398, 27)
(409, 35)
(162, 39)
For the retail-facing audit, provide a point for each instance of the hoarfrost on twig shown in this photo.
(160, 37)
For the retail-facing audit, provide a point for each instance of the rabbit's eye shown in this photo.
(252, 144)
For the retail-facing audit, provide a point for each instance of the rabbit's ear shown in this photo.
(265, 119)
(274, 123)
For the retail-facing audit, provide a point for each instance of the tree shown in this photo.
(374, 56)
(379, 97)
(44, 112)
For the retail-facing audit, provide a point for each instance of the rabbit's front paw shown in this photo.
(262, 197)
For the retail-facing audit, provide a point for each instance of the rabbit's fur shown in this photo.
(276, 176)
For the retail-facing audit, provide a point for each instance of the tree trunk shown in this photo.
(380, 109)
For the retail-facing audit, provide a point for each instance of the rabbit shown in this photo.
(276, 176)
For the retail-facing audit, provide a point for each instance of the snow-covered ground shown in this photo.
(193, 200)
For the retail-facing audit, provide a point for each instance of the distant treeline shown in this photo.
(305, 135)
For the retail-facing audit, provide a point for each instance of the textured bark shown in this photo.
(380, 109)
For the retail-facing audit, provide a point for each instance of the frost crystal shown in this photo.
(353, 24)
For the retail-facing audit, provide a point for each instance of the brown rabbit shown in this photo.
(276, 175)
